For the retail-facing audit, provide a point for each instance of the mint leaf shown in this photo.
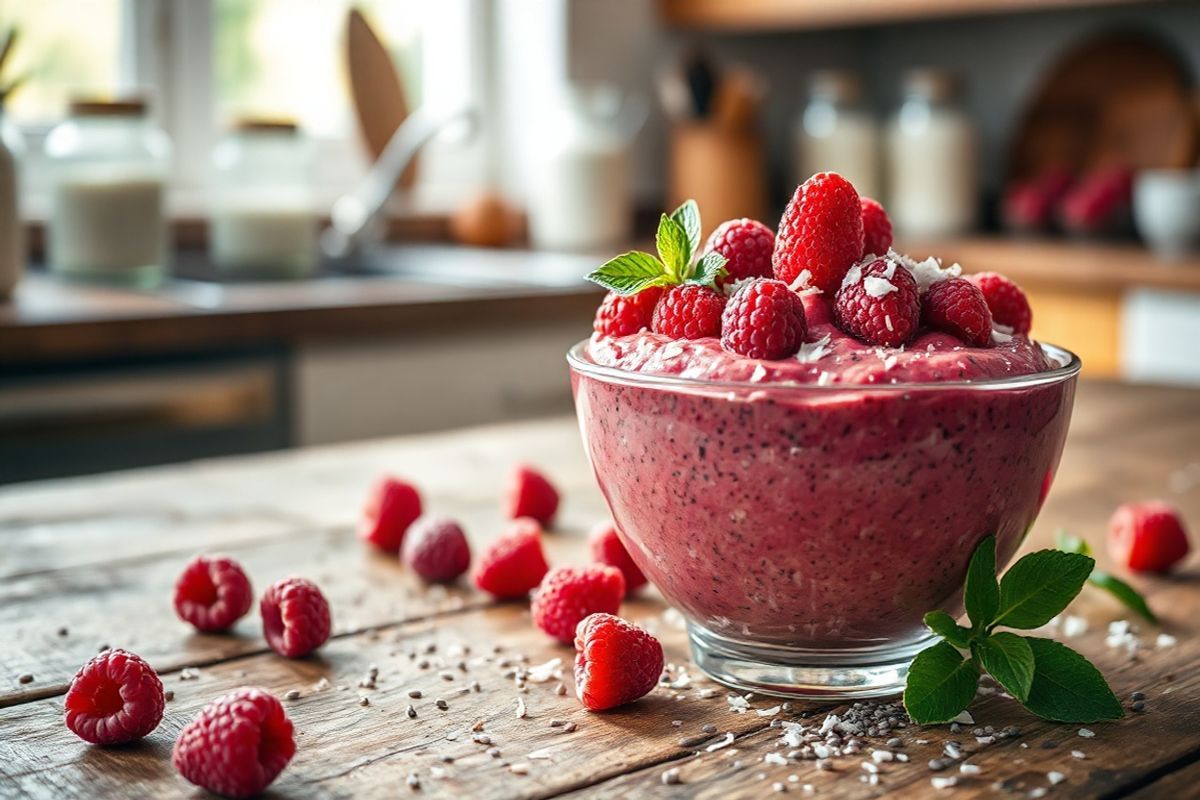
(1072, 544)
(673, 247)
(982, 594)
(629, 273)
(1123, 592)
(1039, 586)
(944, 626)
(688, 217)
(941, 683)
(1009, 659)
(709, 270)
(1067, 687)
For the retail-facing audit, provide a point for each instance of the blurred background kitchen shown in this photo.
(239, 225)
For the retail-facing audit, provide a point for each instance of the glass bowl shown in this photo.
(803, 531)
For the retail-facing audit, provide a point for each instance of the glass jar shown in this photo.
(835, 134)
(108, 165)
(263, 220)
(932, 169)
(12, 238)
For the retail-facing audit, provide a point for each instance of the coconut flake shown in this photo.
(544, 673)
(725, 742)
(738, 704)
(759, 373)
(1165, 640)
(1073, 626)
(853, 276)
(964, 718)
(802, 281)
(813, 351)
(876, 286)
(927, 272)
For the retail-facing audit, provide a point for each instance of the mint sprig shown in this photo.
(678, 244)
(1118, 588)
(1047, 677)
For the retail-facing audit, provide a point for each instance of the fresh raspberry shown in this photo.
(513, 564)
(1028, 206)
(568, 594)
(1099, 203)
(821, 231)
(295, 617)
(879, 304)
(437, 549)
(607, 549)
(114, 698)
(392, 506)
(1147, 537)
(530, 494)
(763, 319)
(237, 744)
(213, 593)
(1005, 300)
(877, 228)
(624, 315)
(956, 306)
(689, 312)
(616, 662)
(747, 244)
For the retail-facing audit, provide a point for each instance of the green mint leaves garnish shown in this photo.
(1109, 583)
(1047, 677)
(678, 244)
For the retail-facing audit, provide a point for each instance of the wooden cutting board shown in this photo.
(1121, 98)
(380, 102)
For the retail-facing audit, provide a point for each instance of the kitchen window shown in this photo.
(207, 63)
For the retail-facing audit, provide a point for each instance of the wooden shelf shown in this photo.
(774, 15)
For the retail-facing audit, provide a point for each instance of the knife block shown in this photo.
(722, 169)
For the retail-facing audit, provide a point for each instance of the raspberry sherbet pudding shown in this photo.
(807, 481)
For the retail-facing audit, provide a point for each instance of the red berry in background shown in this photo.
(213, 593)
(114, 698)
(568, 594)
(763, 319)
(530, 494)
(616, 662)
(956, 306)
(1028, 206)
(689, 312)
(879, 304)
(295, 617)
(1006, 301)
(514, 564)
(877, 228)
(1099, 203)
(1147, 537)
(392, 506)
(747, 244)
(237, 745)
(606, 548)
(821, 231)
(625, 315)
(437, 549)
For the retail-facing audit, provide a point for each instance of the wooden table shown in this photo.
(91, 562)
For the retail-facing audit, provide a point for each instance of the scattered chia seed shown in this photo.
(364, 701)
(410, 711)
(475, 687)
(26, 678)
(694, 741)
(441, 704)
(895, 742)
(1138, 696)
(292, 694)
(557, 723)
(63, 631)
(102, 648)
(560, 690)
(169, 695)
(570, 727)
(413, 780)
(446, 676)
(708, 727)
(494, 752)
(414, 693)
(939, 764)
(1138, 705)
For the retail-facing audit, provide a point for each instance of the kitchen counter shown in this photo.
(96, 557)
(399, 290)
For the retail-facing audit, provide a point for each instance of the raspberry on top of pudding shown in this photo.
(856, 316)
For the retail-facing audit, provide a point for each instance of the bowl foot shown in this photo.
(794, 672)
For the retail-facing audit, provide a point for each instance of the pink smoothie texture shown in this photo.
(826, 500)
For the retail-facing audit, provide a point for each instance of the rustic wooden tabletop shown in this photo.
(90, 562)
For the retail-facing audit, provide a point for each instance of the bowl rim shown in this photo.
(1069, 366)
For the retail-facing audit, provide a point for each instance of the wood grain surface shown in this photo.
(97, 557)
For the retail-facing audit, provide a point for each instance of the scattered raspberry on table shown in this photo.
(606, 548)
(616, 662)
(514, 564)
(295, 617)
(237, 745)
(530, 494)
(1147, 537)
(568, 594)
(436, 549)
(391, 507)
(213, 593)
(114, 698)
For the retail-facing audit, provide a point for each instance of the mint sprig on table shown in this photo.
(1047, 677)
(1109, 583)
(678, 243)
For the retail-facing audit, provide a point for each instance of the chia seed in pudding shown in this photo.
(806, 502)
